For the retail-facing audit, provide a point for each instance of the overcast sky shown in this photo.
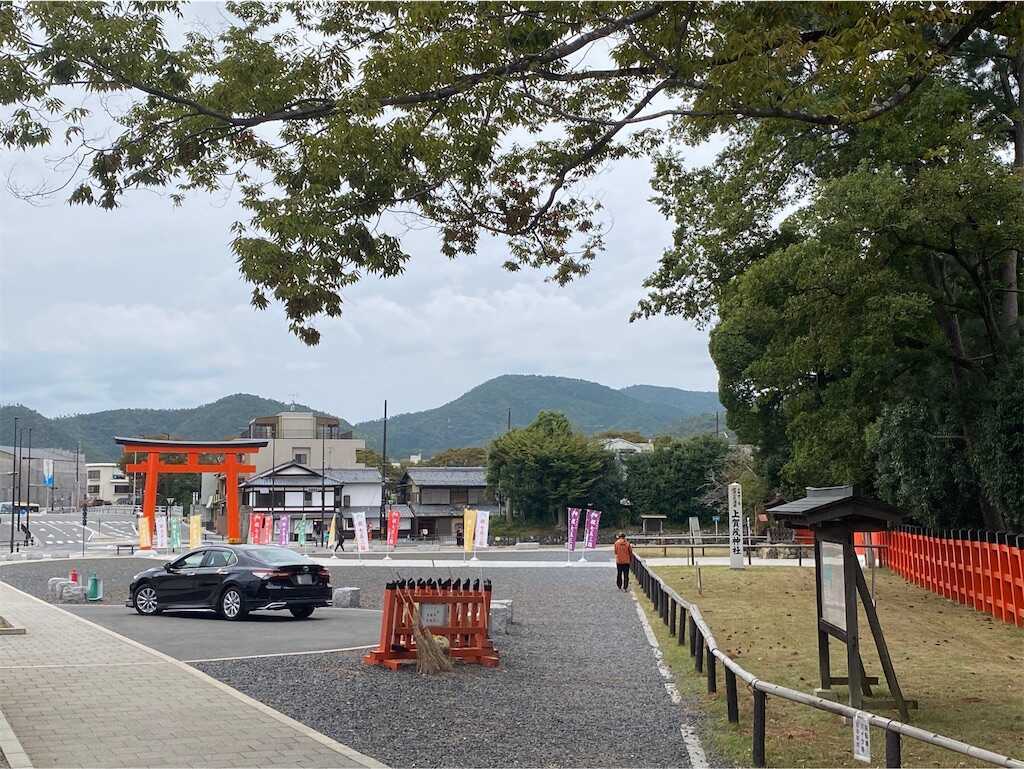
(144, 307)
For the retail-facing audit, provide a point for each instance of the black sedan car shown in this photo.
(233, 580)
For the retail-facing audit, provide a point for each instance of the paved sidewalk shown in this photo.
(78, 695)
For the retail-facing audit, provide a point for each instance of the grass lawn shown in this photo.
(963, 667)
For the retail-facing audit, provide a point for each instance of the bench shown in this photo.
(130, 545)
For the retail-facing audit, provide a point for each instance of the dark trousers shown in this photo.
(339, 542)
(622, 576)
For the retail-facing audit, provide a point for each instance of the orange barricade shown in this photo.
(467, 619)
(982, 569)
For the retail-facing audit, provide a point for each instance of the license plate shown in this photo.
(305, 579)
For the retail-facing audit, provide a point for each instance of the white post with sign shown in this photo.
(861, 738)
(735, 526)
(361, 534)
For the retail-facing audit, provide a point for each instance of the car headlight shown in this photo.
(136, 577)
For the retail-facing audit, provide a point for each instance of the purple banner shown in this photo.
(574, 527)
(593, 522)
(283, 531)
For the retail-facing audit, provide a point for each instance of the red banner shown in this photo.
(394, 519)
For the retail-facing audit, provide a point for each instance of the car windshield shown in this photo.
(277, 556)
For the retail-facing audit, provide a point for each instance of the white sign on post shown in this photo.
(735, 526)
(695, 537)
(861, 738)
(483, 528)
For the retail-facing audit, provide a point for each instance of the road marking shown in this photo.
(698, 759)
(284, 654)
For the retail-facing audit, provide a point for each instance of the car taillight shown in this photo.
(325, 574)
(270, 574)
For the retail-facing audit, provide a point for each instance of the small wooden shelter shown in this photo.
(833, 514)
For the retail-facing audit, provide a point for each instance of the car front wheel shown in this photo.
(301, 612)
(145, 601)
(232, 606)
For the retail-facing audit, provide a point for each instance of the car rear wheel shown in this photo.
(145, 601)
(301, 612)
(231, 605)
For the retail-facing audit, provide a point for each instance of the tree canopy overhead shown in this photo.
(857, 239)
(478, 118)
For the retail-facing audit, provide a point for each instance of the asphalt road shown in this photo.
(202, 635)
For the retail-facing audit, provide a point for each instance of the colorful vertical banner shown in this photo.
(394, 523)
(332, 533)
(593, 523)
(468, 529)
(161, 533)
(574, 527)
(362, 537)
(145, 535)
(175, 534)
(195, 532)
(300, 531)
(483, 528)
(283, 531)
(48, 472)
(268, 529)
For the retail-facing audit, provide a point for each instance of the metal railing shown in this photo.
(672, 608)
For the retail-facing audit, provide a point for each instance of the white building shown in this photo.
(298, 491)
(304, 437)
(106, 481)
(621, 447)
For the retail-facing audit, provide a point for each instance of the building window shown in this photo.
(122, 488)
(346, 500)
(301, 456)
(94, 475)
(436, 496)
(93, 489)
(476, 496)
(307, 497)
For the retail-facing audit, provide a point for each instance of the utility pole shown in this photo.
(78, 485)
(323, 480)
(384, 469)
(509, 421)
(28, 488)
(14, 475)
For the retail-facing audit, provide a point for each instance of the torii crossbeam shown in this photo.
(229, 452)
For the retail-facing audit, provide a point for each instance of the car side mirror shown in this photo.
(168, 567)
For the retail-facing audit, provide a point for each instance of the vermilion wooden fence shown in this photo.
(983, 569)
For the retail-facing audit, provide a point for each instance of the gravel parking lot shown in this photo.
(577, 685)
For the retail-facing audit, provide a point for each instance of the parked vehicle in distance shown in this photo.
(233, 580)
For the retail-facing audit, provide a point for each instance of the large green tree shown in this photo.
(673, 479)
(546, 467)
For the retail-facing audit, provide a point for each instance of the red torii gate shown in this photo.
(230, 452)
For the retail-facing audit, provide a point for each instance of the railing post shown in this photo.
(758, 738)
(712, 672)
(693, 637)
(698, 662)
(892, 749)
(682, 626)
(672, 616)
(732, 705)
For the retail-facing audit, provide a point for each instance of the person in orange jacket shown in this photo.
(623, 551)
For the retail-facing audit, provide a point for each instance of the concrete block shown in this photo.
(72, 594)
(507, 603)
(501, 617)
(527, 545)
(346, 597)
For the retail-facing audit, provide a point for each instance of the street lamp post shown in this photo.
(14, 475)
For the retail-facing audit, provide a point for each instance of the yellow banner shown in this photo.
(468, 529)
(195, 531)
(145, 535)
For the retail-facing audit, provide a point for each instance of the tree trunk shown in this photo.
(1011, 301)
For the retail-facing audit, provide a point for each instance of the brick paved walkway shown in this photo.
(77, 695)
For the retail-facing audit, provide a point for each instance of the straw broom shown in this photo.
(431, 654)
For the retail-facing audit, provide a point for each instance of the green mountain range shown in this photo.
(473, 419)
